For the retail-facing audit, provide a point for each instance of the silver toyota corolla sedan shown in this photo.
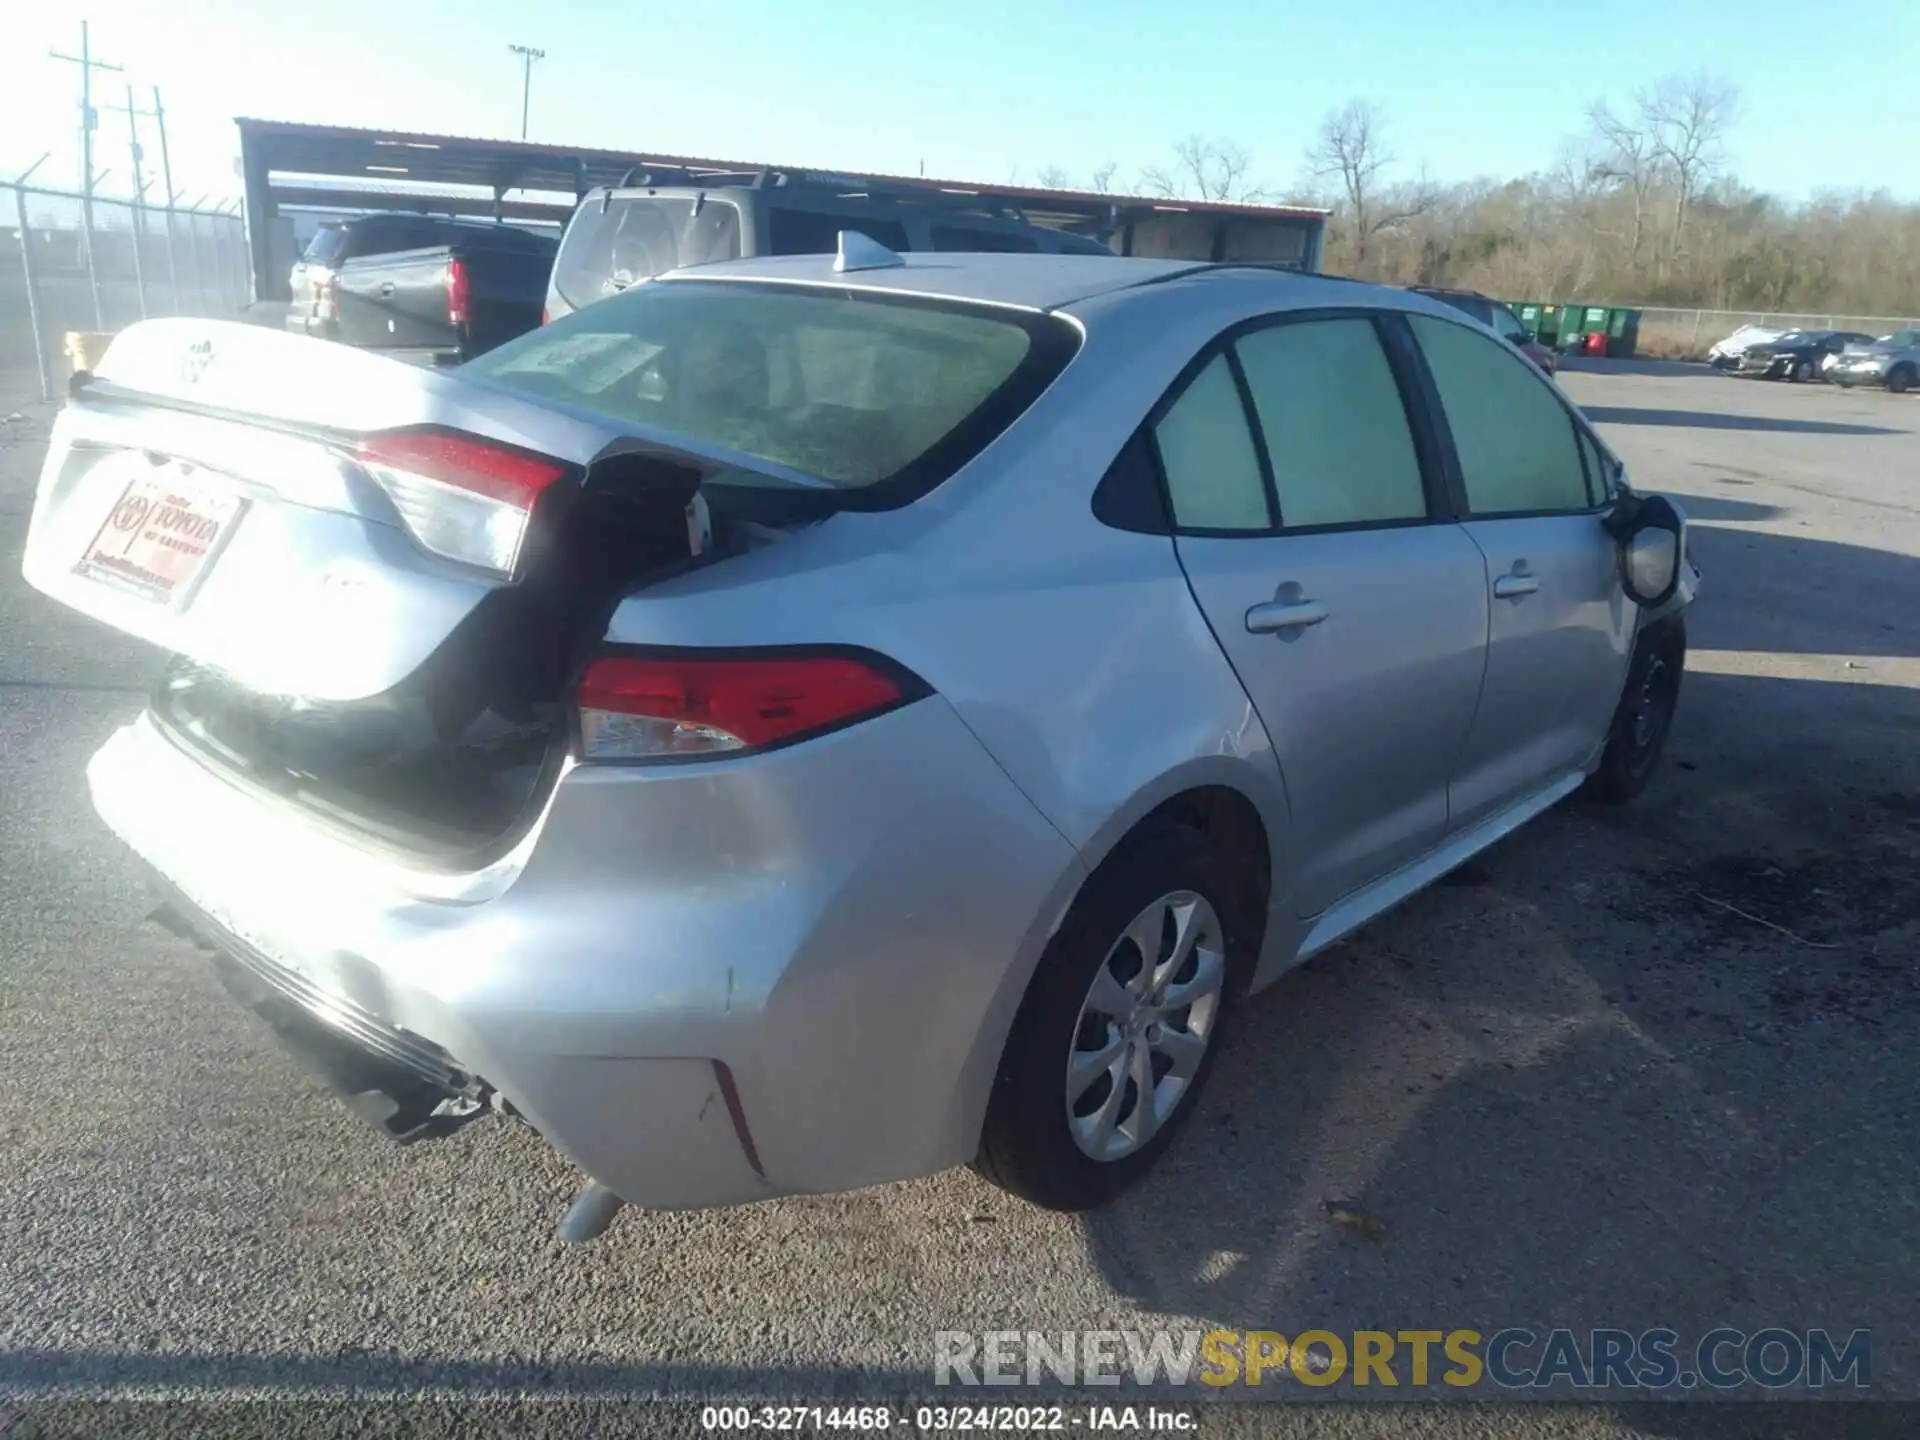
(815, 721)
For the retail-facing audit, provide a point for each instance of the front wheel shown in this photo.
(1645, 714)
(1901, 380)
(1120, 1025)
(1802, 371)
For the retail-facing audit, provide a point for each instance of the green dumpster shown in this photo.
(1529, 313)
(1623, 333)
(1581, 321)
(1548, 330)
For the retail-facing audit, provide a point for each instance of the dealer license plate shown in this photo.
(160, 537)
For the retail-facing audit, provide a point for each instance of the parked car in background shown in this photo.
(1497, 317)
(429, 286)
(634, 231)
(1725, 354)
(1892, 360)
(1795, 356)
(654, 770)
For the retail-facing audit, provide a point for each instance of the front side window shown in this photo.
(854, 390)
(1508, 324)
(1516, 442)
(1207, 454)
(1335, 429)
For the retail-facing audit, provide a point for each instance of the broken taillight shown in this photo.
(461, 497)
(683, 705)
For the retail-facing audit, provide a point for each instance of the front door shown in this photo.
(1533, 492)
(1307, 519)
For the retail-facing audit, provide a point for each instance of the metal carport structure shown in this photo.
(324, 166)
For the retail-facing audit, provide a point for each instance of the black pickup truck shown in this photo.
(420, 287)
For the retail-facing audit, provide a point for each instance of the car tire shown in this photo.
(1802, 372)
(1900, 379)
(1644, 716)
(1039, 1141)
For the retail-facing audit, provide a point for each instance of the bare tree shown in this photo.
(1053, 177)
(1203, 169)
(1351, 150)
(1103, 177)
(1686, 119)
(1626, 156)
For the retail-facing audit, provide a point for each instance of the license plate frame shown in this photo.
(161, 536)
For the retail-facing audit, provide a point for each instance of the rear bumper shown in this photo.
(841, 929)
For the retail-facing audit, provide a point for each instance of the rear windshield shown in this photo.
(608, 247)
(863, 392)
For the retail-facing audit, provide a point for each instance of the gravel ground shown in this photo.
(1654, 1066)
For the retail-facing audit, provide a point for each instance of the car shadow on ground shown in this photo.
(1726, 420)
(1646, 1072)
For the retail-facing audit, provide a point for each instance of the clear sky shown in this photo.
(993, 90)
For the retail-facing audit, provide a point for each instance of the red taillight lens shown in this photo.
(546, 314)
(459, 291)
(658, 707)
(460, 497)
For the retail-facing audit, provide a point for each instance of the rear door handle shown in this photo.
(1274, 616)
(1512, 587)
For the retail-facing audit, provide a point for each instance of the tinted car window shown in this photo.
(1335, 429)
(853, 390)
(1516, 442)
(814, 232)
(1208, 457)
(999, 242)
(608, 247)
(325, 246)
(1508, 323)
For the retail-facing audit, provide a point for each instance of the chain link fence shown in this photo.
(1687, 334)
(68, 263)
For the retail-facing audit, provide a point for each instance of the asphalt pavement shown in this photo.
(1637, 1067)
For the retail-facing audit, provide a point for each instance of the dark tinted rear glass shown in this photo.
(998, 242)
(608, 247)
(814, 232)
(1467, 305)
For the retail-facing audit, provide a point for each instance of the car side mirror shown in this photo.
(1650, 532)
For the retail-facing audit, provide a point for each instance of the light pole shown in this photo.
(527, 56)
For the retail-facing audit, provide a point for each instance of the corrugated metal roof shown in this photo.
(287, 147)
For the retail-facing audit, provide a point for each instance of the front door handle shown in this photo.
(1275, 616)
(1512, 587)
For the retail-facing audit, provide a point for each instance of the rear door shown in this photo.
(1530, 482)
(1308, 507)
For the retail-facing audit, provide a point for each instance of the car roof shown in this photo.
(1031, 282)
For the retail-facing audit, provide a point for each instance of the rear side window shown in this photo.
(1518, 446)
(1335, 428)
(815, 232)
(1208, 457)
(609, 247)
(857, 390)
(997, 242)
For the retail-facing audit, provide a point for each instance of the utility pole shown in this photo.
(88, 119)
(527, 56)
(133, 114)
(166, 181)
